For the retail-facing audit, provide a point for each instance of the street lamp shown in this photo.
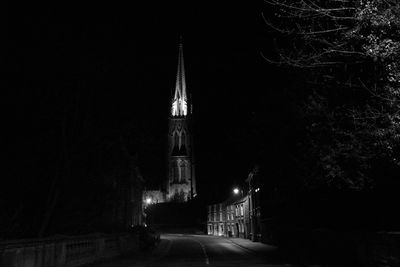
(148, 201)
(236, 191)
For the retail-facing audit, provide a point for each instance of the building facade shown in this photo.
(181, 182)
(243, 217)
(216, 220)
(255, 208)
(229, 218)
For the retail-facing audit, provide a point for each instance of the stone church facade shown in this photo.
(180, 182)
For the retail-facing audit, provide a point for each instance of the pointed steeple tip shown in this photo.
(180, 40)
(180, 101)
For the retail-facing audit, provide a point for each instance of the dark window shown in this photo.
(183, 139)
(183, 171)
(176, 142)
(176, 173)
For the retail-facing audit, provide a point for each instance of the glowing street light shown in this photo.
(236, 191)
(148, 200)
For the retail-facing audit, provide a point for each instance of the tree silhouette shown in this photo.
(348, 53)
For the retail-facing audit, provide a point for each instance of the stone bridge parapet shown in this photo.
(65, 251)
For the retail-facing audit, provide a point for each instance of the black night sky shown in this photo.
(109, 70)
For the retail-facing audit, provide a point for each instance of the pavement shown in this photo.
(202, 250)
(254, 247)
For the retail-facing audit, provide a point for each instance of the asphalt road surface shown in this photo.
(196, 250)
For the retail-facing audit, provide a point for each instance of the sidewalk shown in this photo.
(254, 247)
(261, 250)
(269, 252)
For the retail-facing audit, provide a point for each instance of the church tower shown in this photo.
(181, 183)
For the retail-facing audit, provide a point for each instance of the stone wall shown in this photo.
(380, 250)
(65, 251)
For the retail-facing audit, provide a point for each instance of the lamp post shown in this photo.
(242, 211)
(146, 203)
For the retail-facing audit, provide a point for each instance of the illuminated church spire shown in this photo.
(180, 102)
(181, 182)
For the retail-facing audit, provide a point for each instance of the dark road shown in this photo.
(196, 250)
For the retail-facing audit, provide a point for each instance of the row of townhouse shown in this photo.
(241, 216)
(229, 218)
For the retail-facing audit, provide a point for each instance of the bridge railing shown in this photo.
(65, 251)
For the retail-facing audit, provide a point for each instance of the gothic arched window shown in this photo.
(183, 139)
(176, 139)
(183, 171)
(175, 172)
